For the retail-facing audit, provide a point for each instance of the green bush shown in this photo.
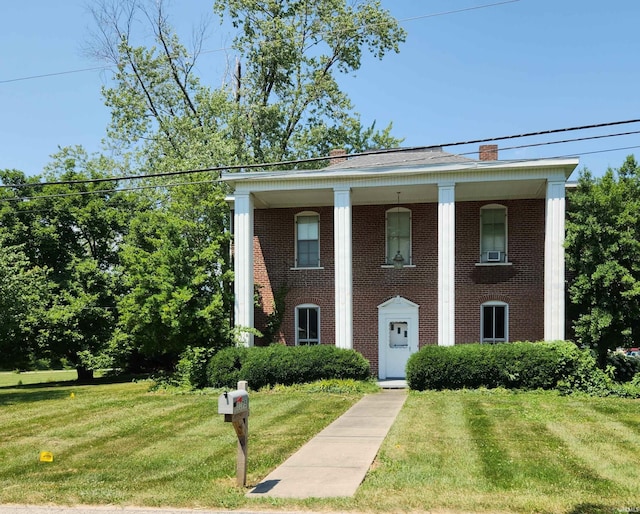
(285, 365)
(223, 369)
(624, 366)
(191, 370)
(512, 365)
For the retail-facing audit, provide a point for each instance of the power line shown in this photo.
(170, 185)
(224, 49)
(44, 75)
(323, 158)
(474, 8)
(599, 151)
(100, 191)
(562, 141)
(178, 184)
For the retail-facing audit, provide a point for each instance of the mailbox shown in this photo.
(235, 407)
(233, 402)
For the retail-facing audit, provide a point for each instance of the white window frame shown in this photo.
(295, 228)
(506, 322)
(388, 257)
(306, 341)
(484, 251)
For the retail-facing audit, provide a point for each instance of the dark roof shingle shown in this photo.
(400, 157)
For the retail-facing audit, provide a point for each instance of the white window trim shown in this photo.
(506, 235)
(408, 260)
(506, 321)
(307, 306)
(295, 239)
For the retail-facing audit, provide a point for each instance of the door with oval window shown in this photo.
(397, 336)
(398, 351)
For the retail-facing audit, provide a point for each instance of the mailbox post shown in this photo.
(235, 407)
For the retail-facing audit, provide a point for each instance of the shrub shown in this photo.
(191, 370)
(624, 367)
(224, 367)
(285, 365)
(512, 365)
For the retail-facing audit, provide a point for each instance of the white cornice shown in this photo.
(477, 171)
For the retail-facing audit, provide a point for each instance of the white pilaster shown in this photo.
(343, 267)
(554, 315)
(243, 264)
(446, 264)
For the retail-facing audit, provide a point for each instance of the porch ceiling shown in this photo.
(412, 193)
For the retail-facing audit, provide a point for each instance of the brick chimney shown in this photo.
(488, 152)
(337, 155)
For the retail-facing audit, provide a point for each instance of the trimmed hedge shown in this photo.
(285, 365)
(511, 365)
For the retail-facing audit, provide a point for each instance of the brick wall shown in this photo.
(274, 250)
(521, 285)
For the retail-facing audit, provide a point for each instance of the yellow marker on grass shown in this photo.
(46, 457)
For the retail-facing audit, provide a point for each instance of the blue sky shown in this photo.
(522, 66)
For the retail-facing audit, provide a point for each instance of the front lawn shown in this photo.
(451, 451)
(501, 451)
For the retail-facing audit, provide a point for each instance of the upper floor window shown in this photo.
(398, 235)
(308, 240)
(494, 322)
(493, 233)
(307, 324)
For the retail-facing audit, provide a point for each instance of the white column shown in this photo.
(554, 287)
(343, 267)
(446, 264)
(243, 264)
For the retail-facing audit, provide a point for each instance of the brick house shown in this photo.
(385, 253)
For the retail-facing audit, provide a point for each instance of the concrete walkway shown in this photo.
(335, 461)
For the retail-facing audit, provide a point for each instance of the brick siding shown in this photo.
(521, 284)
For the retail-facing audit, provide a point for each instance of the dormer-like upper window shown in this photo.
(493, 233)
(308, 240)
(398, 235)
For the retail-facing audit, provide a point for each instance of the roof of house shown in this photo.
(398, 157)
(417, 174)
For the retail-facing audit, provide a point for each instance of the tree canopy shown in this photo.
(603, 254)
(122, 271)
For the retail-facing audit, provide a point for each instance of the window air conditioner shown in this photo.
(494, 256)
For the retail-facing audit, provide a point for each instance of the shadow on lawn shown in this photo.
(593, 508)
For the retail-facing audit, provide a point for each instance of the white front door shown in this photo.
(398, 349)
(397, 336)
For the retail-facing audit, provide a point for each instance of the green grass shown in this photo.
(452, 451)
(12, 378)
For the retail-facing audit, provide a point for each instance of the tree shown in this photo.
(175, 259)
(73, 229)
(289, 103)
(162, 116)
(24, 294)
(175, 264)
(603, 253)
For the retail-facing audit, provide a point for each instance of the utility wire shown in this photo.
(224, 49)
(562, 141)
(102, 191)
(324, 158)
(137, 188)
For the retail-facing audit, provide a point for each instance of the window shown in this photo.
(494, 320)
(308, 324)
(398, 234)
(493, 234)
(307, 240)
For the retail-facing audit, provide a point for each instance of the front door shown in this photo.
(397, 336)
(398, 349)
